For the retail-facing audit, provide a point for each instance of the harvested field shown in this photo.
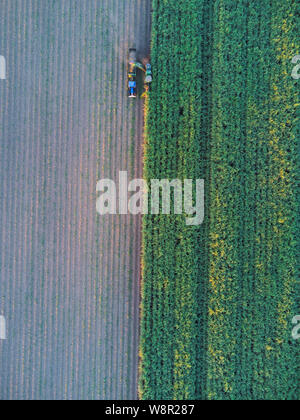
(69, 279)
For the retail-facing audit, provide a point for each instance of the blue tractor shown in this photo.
(132, 88)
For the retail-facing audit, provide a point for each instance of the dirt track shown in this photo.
(69, 279)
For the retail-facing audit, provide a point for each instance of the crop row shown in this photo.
(171, 327)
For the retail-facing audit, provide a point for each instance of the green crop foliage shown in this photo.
(218, 299)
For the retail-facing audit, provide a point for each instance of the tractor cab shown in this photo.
(132, 92)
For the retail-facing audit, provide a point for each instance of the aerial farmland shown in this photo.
(188, 289)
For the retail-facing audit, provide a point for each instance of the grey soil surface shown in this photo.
(69, 278)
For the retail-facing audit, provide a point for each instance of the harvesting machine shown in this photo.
(132, 73)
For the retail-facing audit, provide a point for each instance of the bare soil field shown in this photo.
(69, 278)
